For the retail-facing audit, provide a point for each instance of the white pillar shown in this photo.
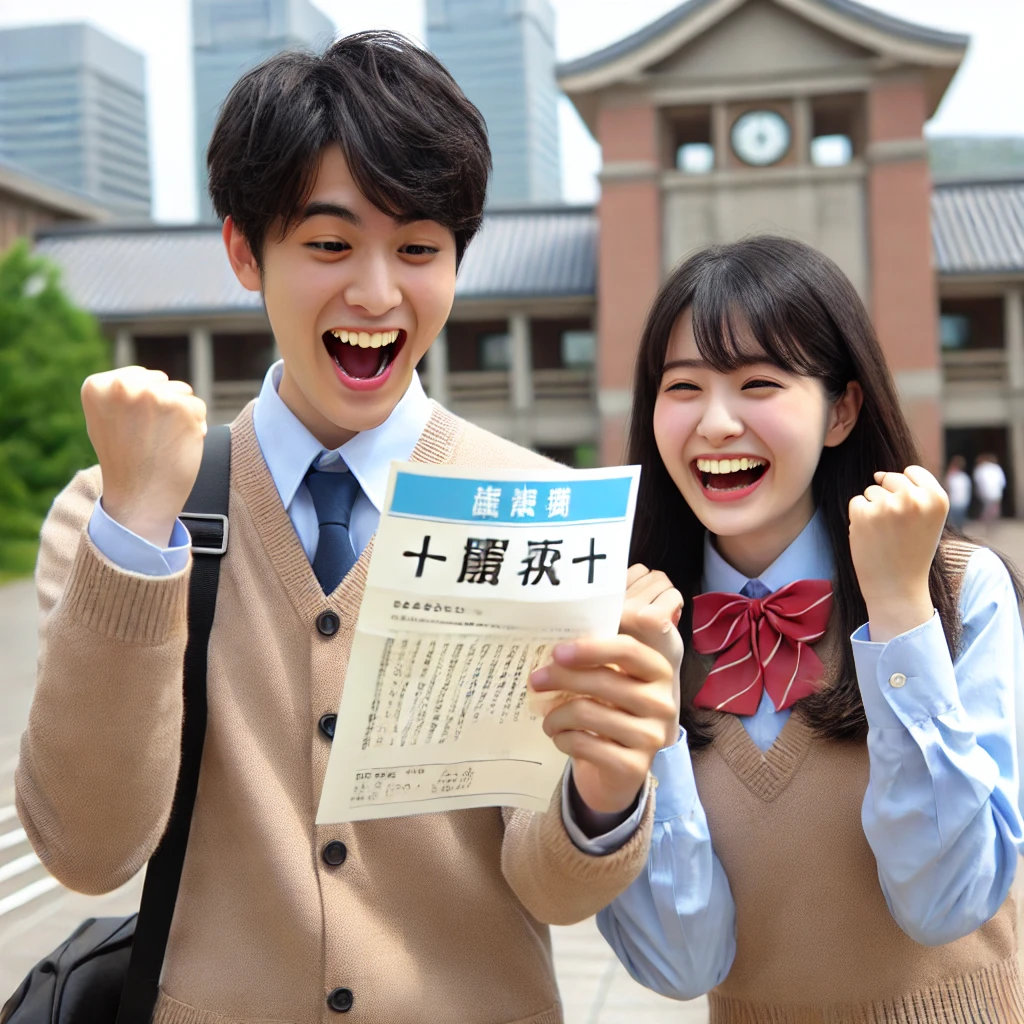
(200, 352)
(1013, 310)
(803, 129)
(720, 135)
(124, 347)
(437, 369)
(522, 362)
(1013, 315)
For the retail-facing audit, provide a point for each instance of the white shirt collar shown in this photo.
(809, 557)
(289, 449)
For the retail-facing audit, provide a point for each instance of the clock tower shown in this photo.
(805, 118)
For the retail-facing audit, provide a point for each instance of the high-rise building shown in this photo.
(73, 112)
(228, 38)
(502, 54)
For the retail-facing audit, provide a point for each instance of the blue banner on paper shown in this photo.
(456, 500)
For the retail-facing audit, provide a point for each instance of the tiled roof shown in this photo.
(978, 227)
(859, 12)
(529, 253)
(147, 270)
(150, 270)
(532, 253)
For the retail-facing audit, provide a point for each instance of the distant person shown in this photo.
(960, 491)
(989, 484)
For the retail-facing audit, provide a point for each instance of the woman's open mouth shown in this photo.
(363, 359)
(729, 479)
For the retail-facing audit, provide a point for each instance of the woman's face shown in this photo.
(743, 446)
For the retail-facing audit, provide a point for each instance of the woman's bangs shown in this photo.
(736, 326)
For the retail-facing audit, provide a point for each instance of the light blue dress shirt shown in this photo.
(289, 449)
(940, 812)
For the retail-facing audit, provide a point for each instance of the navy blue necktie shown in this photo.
(333, 495)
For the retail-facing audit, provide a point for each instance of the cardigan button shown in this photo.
(897, 679)
(328, 623)
(334, 853)
(327, 724)
(340, 1000)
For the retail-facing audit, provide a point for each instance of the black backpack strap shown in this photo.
(206, 516)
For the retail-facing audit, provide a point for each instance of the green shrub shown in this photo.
(47, 348)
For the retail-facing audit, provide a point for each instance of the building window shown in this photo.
(566, 343)
(167, 352)
(579, 349)
(242, 356)
(695, 158)
(689, 137)
(465, 343)
(495, 351)
(837, 129)
(831, 150)
(954, 330)
(971, 323)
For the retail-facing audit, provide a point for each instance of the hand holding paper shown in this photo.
(632, 681)
(473, 580)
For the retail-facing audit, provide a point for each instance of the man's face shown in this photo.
(354, 297)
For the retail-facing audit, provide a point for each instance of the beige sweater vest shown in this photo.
(435, 917)
(815, 942)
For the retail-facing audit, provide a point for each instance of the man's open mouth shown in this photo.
(363, 355)
(729, 474)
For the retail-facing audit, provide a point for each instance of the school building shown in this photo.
(721, 119)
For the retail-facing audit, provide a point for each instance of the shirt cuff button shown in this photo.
(897, 679)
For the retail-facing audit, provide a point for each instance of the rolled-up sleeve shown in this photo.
(940, 811)
(132, 553)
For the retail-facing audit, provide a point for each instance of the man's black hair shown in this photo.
(413, 142)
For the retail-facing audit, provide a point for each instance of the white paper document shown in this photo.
(475, 575)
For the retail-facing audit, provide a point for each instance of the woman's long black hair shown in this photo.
(805, 315)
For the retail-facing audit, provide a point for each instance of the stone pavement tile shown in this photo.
(36, 932)
(596, 989)
(583, 961)
(626, 1002)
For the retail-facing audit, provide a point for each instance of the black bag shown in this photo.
(108, 971)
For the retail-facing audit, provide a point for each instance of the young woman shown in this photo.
(837, 829)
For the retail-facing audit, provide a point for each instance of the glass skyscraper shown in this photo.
(502, 54)
(73, 113)
(228, 38)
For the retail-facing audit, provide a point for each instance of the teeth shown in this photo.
(728, 465)
(363, 339)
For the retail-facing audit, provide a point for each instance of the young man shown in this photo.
(349, 185)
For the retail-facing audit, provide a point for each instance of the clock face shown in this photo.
(761, 137)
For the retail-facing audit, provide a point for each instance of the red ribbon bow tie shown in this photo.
(761, 644)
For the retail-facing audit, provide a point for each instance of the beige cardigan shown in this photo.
(436, 917)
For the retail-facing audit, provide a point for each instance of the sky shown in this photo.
(987, 96)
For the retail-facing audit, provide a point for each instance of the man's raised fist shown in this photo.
(148, 434)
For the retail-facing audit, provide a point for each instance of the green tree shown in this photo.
(47, 348)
